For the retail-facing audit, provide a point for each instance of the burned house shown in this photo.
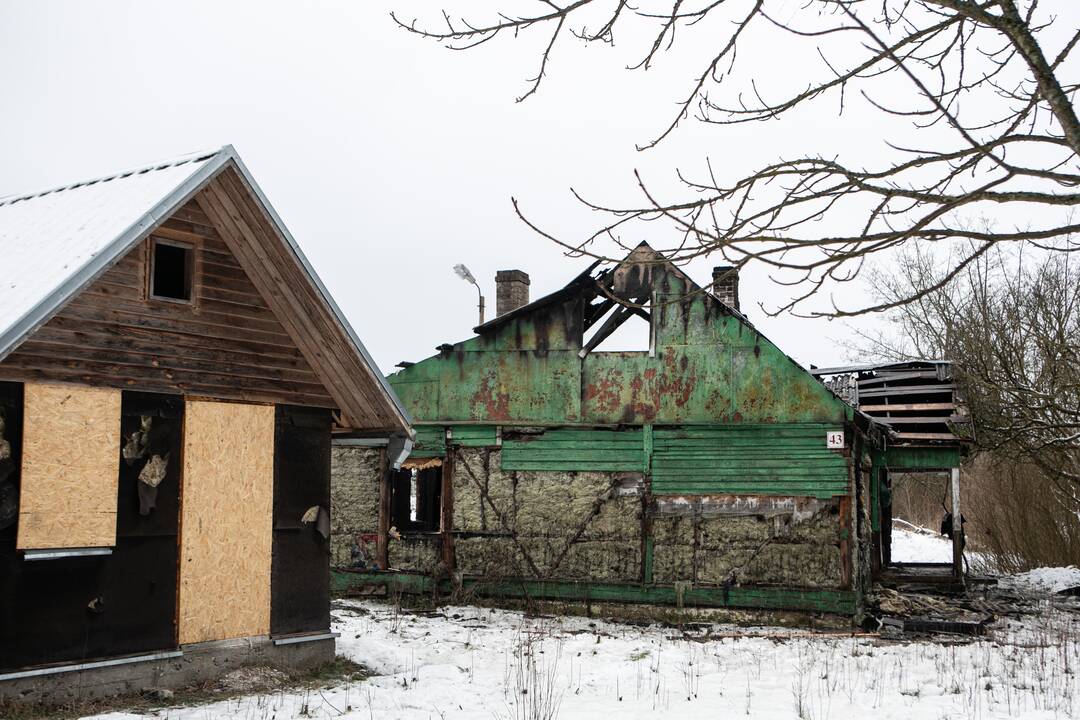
(929, 433)
(707, 469)
(171, 370)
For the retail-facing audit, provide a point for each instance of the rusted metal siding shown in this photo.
(728, 373)
(736, 459)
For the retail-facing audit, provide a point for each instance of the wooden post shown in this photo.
(846, 559)
(957, 524)
(382, 541)
(446, 517)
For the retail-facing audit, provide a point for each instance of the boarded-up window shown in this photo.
(226, 521)
(71, 442)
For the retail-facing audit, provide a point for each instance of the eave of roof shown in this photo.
(215, 162)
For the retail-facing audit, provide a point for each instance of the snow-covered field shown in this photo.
(465, 662)
(911, 543)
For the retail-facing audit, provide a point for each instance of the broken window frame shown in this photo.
(612, 313)
(190, 260)
(422, 511)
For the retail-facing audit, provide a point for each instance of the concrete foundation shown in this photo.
(197, 664)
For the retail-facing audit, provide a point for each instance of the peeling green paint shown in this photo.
(430, 441)
(709, 366)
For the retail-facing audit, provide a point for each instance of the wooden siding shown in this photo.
(228, 344)
(576, 450)
(748, 459)
(281, 279)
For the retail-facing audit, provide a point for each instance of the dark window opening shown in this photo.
(415, 500)
(171, 271)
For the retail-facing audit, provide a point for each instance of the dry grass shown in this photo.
(1015, 514)
(339, 672)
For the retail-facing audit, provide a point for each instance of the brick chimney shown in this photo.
(725, 284)
(511, 291)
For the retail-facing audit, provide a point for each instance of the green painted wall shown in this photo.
(710, 366)
(576, 450)
(841, 602)
(759, 459)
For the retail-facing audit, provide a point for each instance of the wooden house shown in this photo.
(171, 369)
(705, 469)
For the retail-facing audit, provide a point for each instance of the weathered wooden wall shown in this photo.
(228, 344)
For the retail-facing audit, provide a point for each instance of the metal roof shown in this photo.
(55, 242)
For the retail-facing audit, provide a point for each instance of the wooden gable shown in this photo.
(226, 344)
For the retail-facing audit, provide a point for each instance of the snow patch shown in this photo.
(1043, 580)
(911, 543)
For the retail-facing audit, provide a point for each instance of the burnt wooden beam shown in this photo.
(596, 312)
(908, 390)
(617, 317)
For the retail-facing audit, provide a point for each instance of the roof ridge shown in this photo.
(159, 165)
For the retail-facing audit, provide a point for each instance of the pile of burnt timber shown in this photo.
(909, 613)
(922, 577)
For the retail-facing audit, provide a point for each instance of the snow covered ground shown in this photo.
(471, 663)
(911, 543)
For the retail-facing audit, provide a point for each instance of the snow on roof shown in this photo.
(54, 241)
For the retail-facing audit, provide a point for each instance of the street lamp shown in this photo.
(463, 272)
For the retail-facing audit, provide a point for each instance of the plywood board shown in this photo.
(226, 521)
(70, 466)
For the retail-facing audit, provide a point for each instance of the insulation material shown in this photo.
(5, 446)
(71, 441)
(556, 524)
(421, 463)
(490, 558)
(136, 444)
(226, 521)
(750, 549)
(356, 473)
(418, 554)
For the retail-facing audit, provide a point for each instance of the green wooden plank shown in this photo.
(842, 602)
(923, 458)
(575, 466)
(566, 449)
(430, 441)
(647, 565)
(474, 435)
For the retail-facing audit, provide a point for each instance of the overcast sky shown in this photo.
(389, 158)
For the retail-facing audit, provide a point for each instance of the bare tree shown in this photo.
(987, 83)
(1011, 325)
